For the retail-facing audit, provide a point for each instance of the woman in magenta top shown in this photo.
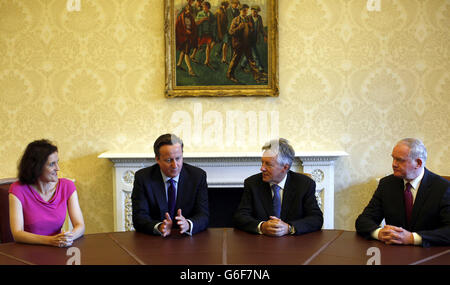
(39, 201)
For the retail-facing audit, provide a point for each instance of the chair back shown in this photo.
(5, 230)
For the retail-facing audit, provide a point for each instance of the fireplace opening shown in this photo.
(223, 202)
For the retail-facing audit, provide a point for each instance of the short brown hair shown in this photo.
(166, 139)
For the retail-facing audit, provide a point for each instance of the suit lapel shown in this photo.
(180, 189)
(266, 197)
(159, 190)
(288, 195)
(422, 194)
(397, 193)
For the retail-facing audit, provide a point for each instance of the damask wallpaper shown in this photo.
(350, 79)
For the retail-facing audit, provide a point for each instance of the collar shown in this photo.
(281, 184)
(165, 178)
(416, 181)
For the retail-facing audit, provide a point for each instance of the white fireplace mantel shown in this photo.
(224, 170)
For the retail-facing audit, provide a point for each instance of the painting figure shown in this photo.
(257, 34)
(231, 12)
(196, 8)
(186, 38)
(240, 31)
(222, 29)
(206, 23)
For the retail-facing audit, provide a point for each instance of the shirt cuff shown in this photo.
(155, 229)
(374, 234)
(417, 239)
(259, 228)
(191, 226)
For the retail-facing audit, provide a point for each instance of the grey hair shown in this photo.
(416, 148)
(284, 151)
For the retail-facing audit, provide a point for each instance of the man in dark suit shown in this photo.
(240, 30)
(414, 202)
(278, 201)
(170, 193)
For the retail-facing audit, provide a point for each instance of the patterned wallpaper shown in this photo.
(350, 80)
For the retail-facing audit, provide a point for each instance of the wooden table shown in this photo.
(223, 246)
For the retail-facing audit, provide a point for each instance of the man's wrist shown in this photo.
(156, 229)
(191, 225)
(291, 229)
(417, 239)
(259, 228)
(375, 234)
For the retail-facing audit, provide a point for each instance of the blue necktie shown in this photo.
(276, 202)
(171, 200)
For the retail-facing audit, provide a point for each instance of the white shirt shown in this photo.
(281, 185)
(166, 186)
(415, 184)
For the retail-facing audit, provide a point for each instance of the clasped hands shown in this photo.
(395, 235)
(274, 227)
(63, 239)
(166, 226)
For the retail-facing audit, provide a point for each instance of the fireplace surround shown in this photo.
(225, 170)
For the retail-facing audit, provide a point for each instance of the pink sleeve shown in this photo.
(17, 190)
(69, 187)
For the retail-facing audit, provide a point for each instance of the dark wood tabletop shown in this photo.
(223, 246)
(245, 248)
(352, 249)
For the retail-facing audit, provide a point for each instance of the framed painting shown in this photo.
(221, 48)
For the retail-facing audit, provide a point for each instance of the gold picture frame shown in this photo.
(216, 78)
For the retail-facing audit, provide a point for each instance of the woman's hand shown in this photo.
(63, 239)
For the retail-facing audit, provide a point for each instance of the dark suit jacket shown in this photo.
(150, 202)
(299, 205)
(430, 215)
